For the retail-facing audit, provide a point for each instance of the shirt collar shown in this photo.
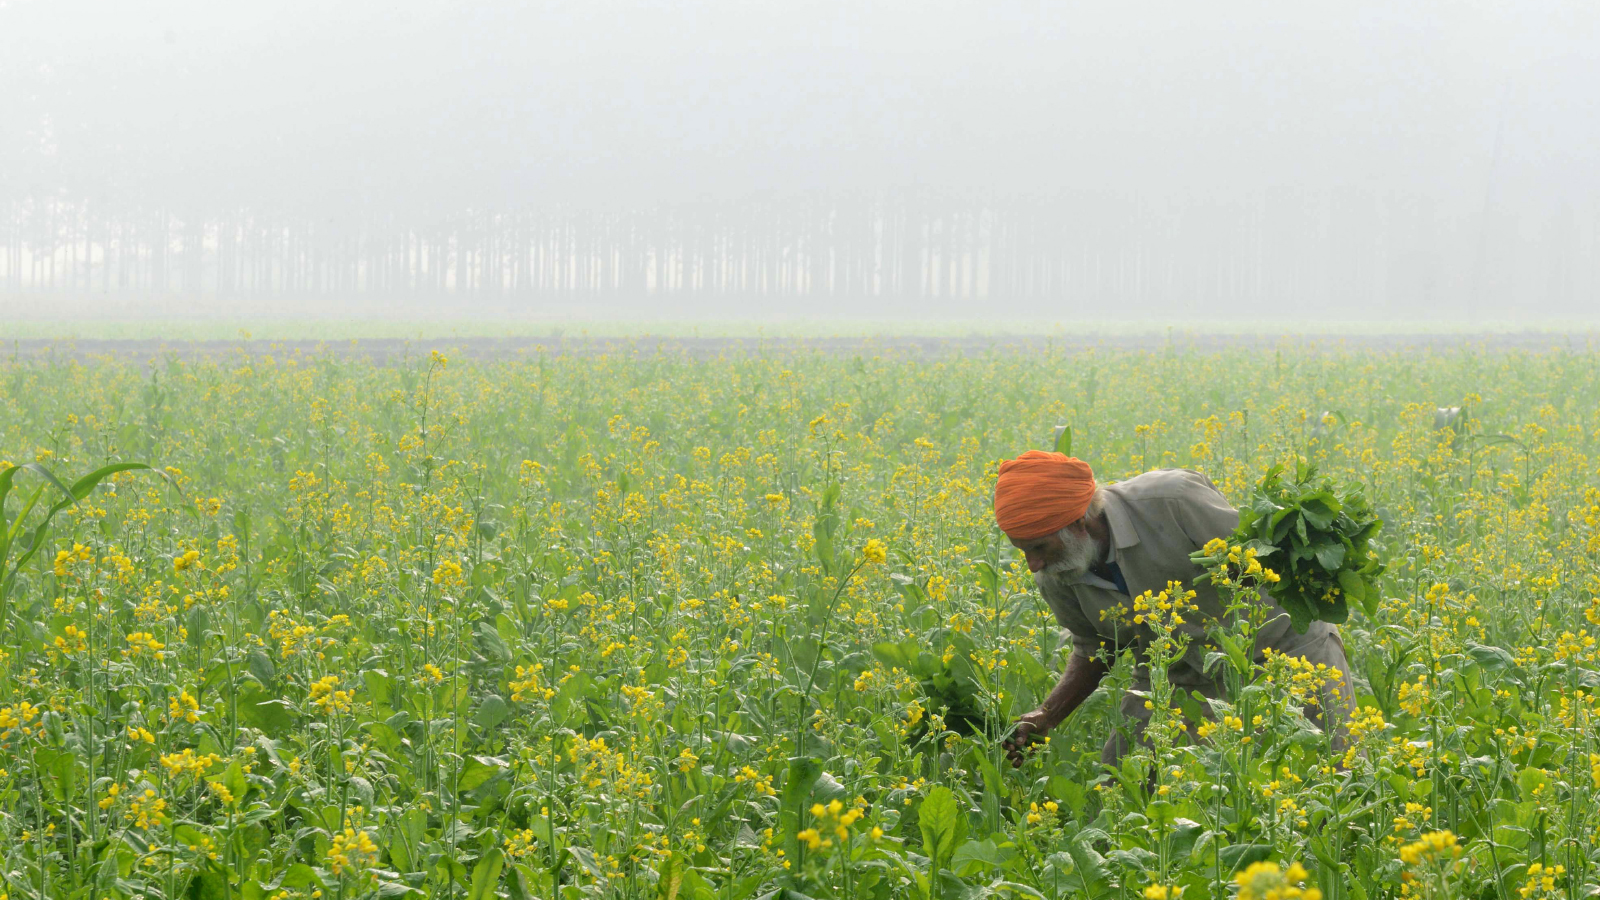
(1119, 522)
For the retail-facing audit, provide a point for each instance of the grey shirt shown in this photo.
(1156, 520)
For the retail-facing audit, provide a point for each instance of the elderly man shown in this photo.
(1092, 548)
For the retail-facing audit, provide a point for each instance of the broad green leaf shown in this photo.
(1530, 780)
(1301, 612)
(899, 655)
(478, 770)
(1240, 856)
(1320, 508)
(1353, 585)
(300, 875)
(486, 875)
(1088, 865)
(259, 709)
(1330, 556)
(585, 858)
(938, 817)
(1182, 837)
(802, 774)
(1490, 658)
(492, 710)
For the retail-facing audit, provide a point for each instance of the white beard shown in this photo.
(1079, 554)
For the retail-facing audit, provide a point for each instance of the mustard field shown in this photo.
(642, 625)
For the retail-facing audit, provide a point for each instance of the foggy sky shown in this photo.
(598, 102)
(1151, 159)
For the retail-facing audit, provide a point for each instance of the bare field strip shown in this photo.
(386, 350)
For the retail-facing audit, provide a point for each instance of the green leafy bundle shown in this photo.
(1317, 537)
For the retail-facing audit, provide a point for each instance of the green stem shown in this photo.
(811, 677)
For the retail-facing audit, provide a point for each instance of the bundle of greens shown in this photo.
(1316, 537)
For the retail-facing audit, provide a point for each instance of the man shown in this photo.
(1093, 548)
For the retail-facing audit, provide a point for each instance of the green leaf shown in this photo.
(1282, 522)
(992, 781)
(1530, 780)
(585, 858)
(1239, 856)
(233, 779)
(1330, 556)
(670, 878)
(487, 637)
(1354, 586)
(1064, 439)
(1182, 837)
(261, 666)
(478, 771)
(517, 885)
(210, 884)
(823, 549)
(1492, 659)
(1088, 865)
(400, 856)
(301, 875)
(82, 487)
(491, 712)
(259, 709)
(32, 542)
(803, 773)
(1067, 791)
(569, 708)
(938, 817)
(1319, 509)
(828, 788)
(62, 765)
(50, 478)
(1324, 854)
(414, 826)
(1313, 537)
(898, 655)
(1301, 612)
(976, 856)
(1337, 612)
(486, 874)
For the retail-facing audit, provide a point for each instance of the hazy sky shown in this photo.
(596, 102)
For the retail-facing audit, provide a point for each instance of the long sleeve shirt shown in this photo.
(1156, 520)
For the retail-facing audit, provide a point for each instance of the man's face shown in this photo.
(1040, 552)
(1066, 554)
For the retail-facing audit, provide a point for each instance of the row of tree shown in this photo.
(1351, 247)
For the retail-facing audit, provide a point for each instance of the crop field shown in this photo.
(653, 625)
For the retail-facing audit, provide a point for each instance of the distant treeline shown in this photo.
(1355, 247)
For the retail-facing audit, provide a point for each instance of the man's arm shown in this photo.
(1082, 676)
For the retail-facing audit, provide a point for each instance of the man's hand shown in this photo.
(1082, 676)
(1030, 727)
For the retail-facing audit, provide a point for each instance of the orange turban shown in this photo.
(1040, 493)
